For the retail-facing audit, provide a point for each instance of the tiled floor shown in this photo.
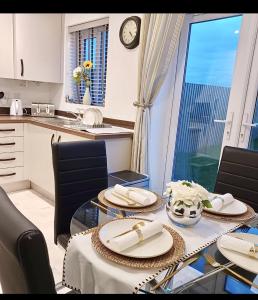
(38, 210)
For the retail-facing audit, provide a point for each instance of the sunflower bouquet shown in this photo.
(82, 72)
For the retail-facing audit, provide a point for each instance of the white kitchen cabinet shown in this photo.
(38, 158)
(6, 46)
(11, 154)
(118, 150)
(38, 47)
(38, 155)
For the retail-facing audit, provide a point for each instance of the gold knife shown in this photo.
(107, 210)
(185, 263)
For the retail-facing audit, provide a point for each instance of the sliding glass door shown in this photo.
(210, 90)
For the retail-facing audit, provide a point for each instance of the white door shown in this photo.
(38, 47)
(6, 46)
(248, 137)
(214, 64)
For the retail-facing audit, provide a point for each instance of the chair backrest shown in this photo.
(80, 172)
(238, 175)
(24, 261)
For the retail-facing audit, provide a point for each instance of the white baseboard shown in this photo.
(43, 192)
(16, 186)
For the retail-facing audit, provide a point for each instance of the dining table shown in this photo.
(198, 277)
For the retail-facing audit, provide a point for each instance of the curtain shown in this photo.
(159, 38)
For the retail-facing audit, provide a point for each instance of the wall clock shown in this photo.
(130, 32)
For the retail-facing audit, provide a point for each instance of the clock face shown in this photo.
(130, 32)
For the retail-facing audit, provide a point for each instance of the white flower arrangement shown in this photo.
(187, 193)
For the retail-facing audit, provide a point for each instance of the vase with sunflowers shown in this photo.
(82, 72)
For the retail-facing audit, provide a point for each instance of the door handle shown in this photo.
(228, 124)
(22, 67)
(9, 174)
(52, 138)
(250, 125)
(245, 125)
(3, 130)
(7, 159)
(222, 121)
(59, 139)
(7, 144)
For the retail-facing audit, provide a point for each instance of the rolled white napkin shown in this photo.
(241, 246)
(221, 201)
(130, 239)
(132, 195)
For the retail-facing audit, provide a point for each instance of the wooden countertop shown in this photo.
(43, 123)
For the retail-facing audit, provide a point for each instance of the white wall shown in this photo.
(122, 71)
(28, 91)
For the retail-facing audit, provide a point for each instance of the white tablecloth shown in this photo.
(89, 272)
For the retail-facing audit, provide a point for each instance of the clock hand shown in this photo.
(130, 33)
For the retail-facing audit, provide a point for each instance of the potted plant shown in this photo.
(82, 72)
(185, 202)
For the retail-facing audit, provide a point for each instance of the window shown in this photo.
(89, 41)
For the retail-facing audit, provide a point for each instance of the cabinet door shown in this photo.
(6, 46)
(38, 47)
(38, 158)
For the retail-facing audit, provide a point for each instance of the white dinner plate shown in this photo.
(233, 209)
(118, 201)
(89, 117)
(99, 117)
(244, 261)
(154, 246)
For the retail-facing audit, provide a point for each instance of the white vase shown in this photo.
(182, 215)
(86, 98)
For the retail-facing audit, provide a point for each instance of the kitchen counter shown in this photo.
(55, 124)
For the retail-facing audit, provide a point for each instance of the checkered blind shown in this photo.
(89, 44)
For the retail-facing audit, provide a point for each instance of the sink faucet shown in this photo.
(78, 116)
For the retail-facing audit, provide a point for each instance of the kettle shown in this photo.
(16, 107)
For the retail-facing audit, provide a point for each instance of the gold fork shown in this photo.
(211, 260)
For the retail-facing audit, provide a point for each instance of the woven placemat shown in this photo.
(247, 216)
(155, 206)
(165, 260)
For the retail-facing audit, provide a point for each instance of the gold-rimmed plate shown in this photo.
(120, 201)
(244, 261)
(154, 246)
(235, 208)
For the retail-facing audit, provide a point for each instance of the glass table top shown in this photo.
(198, 278)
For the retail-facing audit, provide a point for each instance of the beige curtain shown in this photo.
(159, 38)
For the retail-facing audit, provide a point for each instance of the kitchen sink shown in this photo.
(57, 121)
(70, 123)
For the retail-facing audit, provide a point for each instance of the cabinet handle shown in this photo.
(7, 144)
(5, 175)
(52, 138)
(22, 67)
(7, 159)
(3, 130)
(59, 139)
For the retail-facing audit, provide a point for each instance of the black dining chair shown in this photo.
(24, 260)
(80, 172)
(238, 175)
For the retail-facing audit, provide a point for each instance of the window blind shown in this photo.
(89, 44)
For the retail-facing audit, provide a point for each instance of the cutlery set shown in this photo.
(211, 260)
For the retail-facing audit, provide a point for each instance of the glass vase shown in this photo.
(86, 98)
(182, 215)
